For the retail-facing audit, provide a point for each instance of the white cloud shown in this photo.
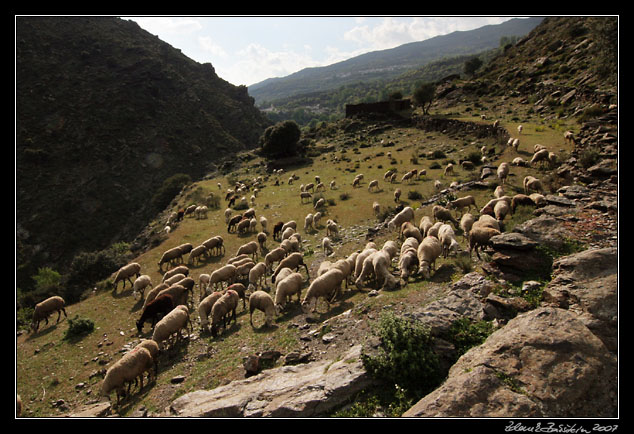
(208, 46)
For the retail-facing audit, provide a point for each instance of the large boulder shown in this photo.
(544, 363)
(306, 390)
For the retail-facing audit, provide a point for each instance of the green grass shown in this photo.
(49, 367)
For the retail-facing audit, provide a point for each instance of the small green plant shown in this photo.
(465, 333)
(414, 195)
(78, 327)
(406, 356)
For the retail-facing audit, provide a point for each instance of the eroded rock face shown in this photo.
(289, 391)
(544, 363)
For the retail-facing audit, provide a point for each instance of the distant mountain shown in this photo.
(105, 113)
(387, 64)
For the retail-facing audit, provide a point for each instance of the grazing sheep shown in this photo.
(428, 251)
(519, 129)
(521, 199)
(205, 306)
(479, 237)
(169, 256)
(397, 195)
(160, 306)
(262, 301)
(326, 245)
(569, 136)
(261, 239)
(516, 144)
(172, 323)
(196, 253)
(320, 203)
(228, 213)
(332, 229)
(215, 245)
(447, 239)
(519, 161)
(486, 221)
(249, 214)
(409, 230)
(408, 259)
(253, 225)
(257, 276)
(498, 192)
(448, 170)
(241, 290)
(381, 265)
(126, 272)
(541, 155)
(151, 295)
(424, 225)
(500, 210)
(463, 202)
(316, 218)
(250, 248)
(178, 291)
(174, 279)
(223, 311)
(286, 288)
(308, 222)
(532, 183)
(437, 185)
(226, 273)
(126, 369)
(154, 350)
(406, 215)
(374, 184)
(305, 195)
(277, 230)
(376, 207)
(407, 177)
(141, 282)
(443, 214)
(273, 256)
(292, 261)
(201, 212)
(467, 165)
(324, 286)
(539, 199)
(503, 172)
(233, 222)
(360, 260)
(333, 185)
(466, 222)
(356, 182)
(243, 226)
(181, 269)
(264, 223)
(44, 308)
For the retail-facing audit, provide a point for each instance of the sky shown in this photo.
(247, 50)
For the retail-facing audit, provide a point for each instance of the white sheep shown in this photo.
(381, 264)
(273, 256)
(503, 172)
(126, 272)
(226, 273)
(172, 324)
(428, 251)
(447, 239)
(250, 248)
(409, 230)
(448, 170)
(262, 301)
(181, 269)
(44, 308)
(374, 184)
(308, 222)
(316, 219)
(286, 288)
(305, 195)
(376, 207)
(126, 369)
(332, 229)
(541, 155)
(441, 213)
(463, 202)
(154, 350)
(141, 282)
(486, 221)
(532, 183)
(169, 256)
(466, 222)
(204, 308)
(324, 286)
(516, 144)
(174, 279)
(196, 253)
(286, 234)
(406, 215)
(519, 129)
(498, 192)
(500, 210)
(326, 245)
(480, 236)
(264, 223)
(261, 238)
(292, 261)
(257, 275)
(333, 185)
(178, 292)
(519, 161)
(360, 260)
(223, 311)
(201, 212)
(424, 225)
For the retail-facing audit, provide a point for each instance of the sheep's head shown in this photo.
(425, 269)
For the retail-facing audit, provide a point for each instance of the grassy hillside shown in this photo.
(50, 368)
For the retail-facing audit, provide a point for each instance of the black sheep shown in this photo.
(161, 305)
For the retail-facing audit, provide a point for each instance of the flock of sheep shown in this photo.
(168, 305)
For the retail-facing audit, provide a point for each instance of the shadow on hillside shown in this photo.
(44, 330)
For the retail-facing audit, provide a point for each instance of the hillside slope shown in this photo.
(105, 112)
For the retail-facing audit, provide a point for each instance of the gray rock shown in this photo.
(306, 390)
(544, 363)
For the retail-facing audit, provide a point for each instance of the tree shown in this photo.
(472, 65)
(424, 96)
(280, 140)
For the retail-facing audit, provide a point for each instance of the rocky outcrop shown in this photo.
(289, 391)
(545, 363)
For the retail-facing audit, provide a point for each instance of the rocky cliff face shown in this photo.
(105, 112)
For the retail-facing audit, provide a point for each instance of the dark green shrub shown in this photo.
(465, 333)
(414, 195)
(78, 327)
(406, 356)
(170, 188)
(280, 140)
